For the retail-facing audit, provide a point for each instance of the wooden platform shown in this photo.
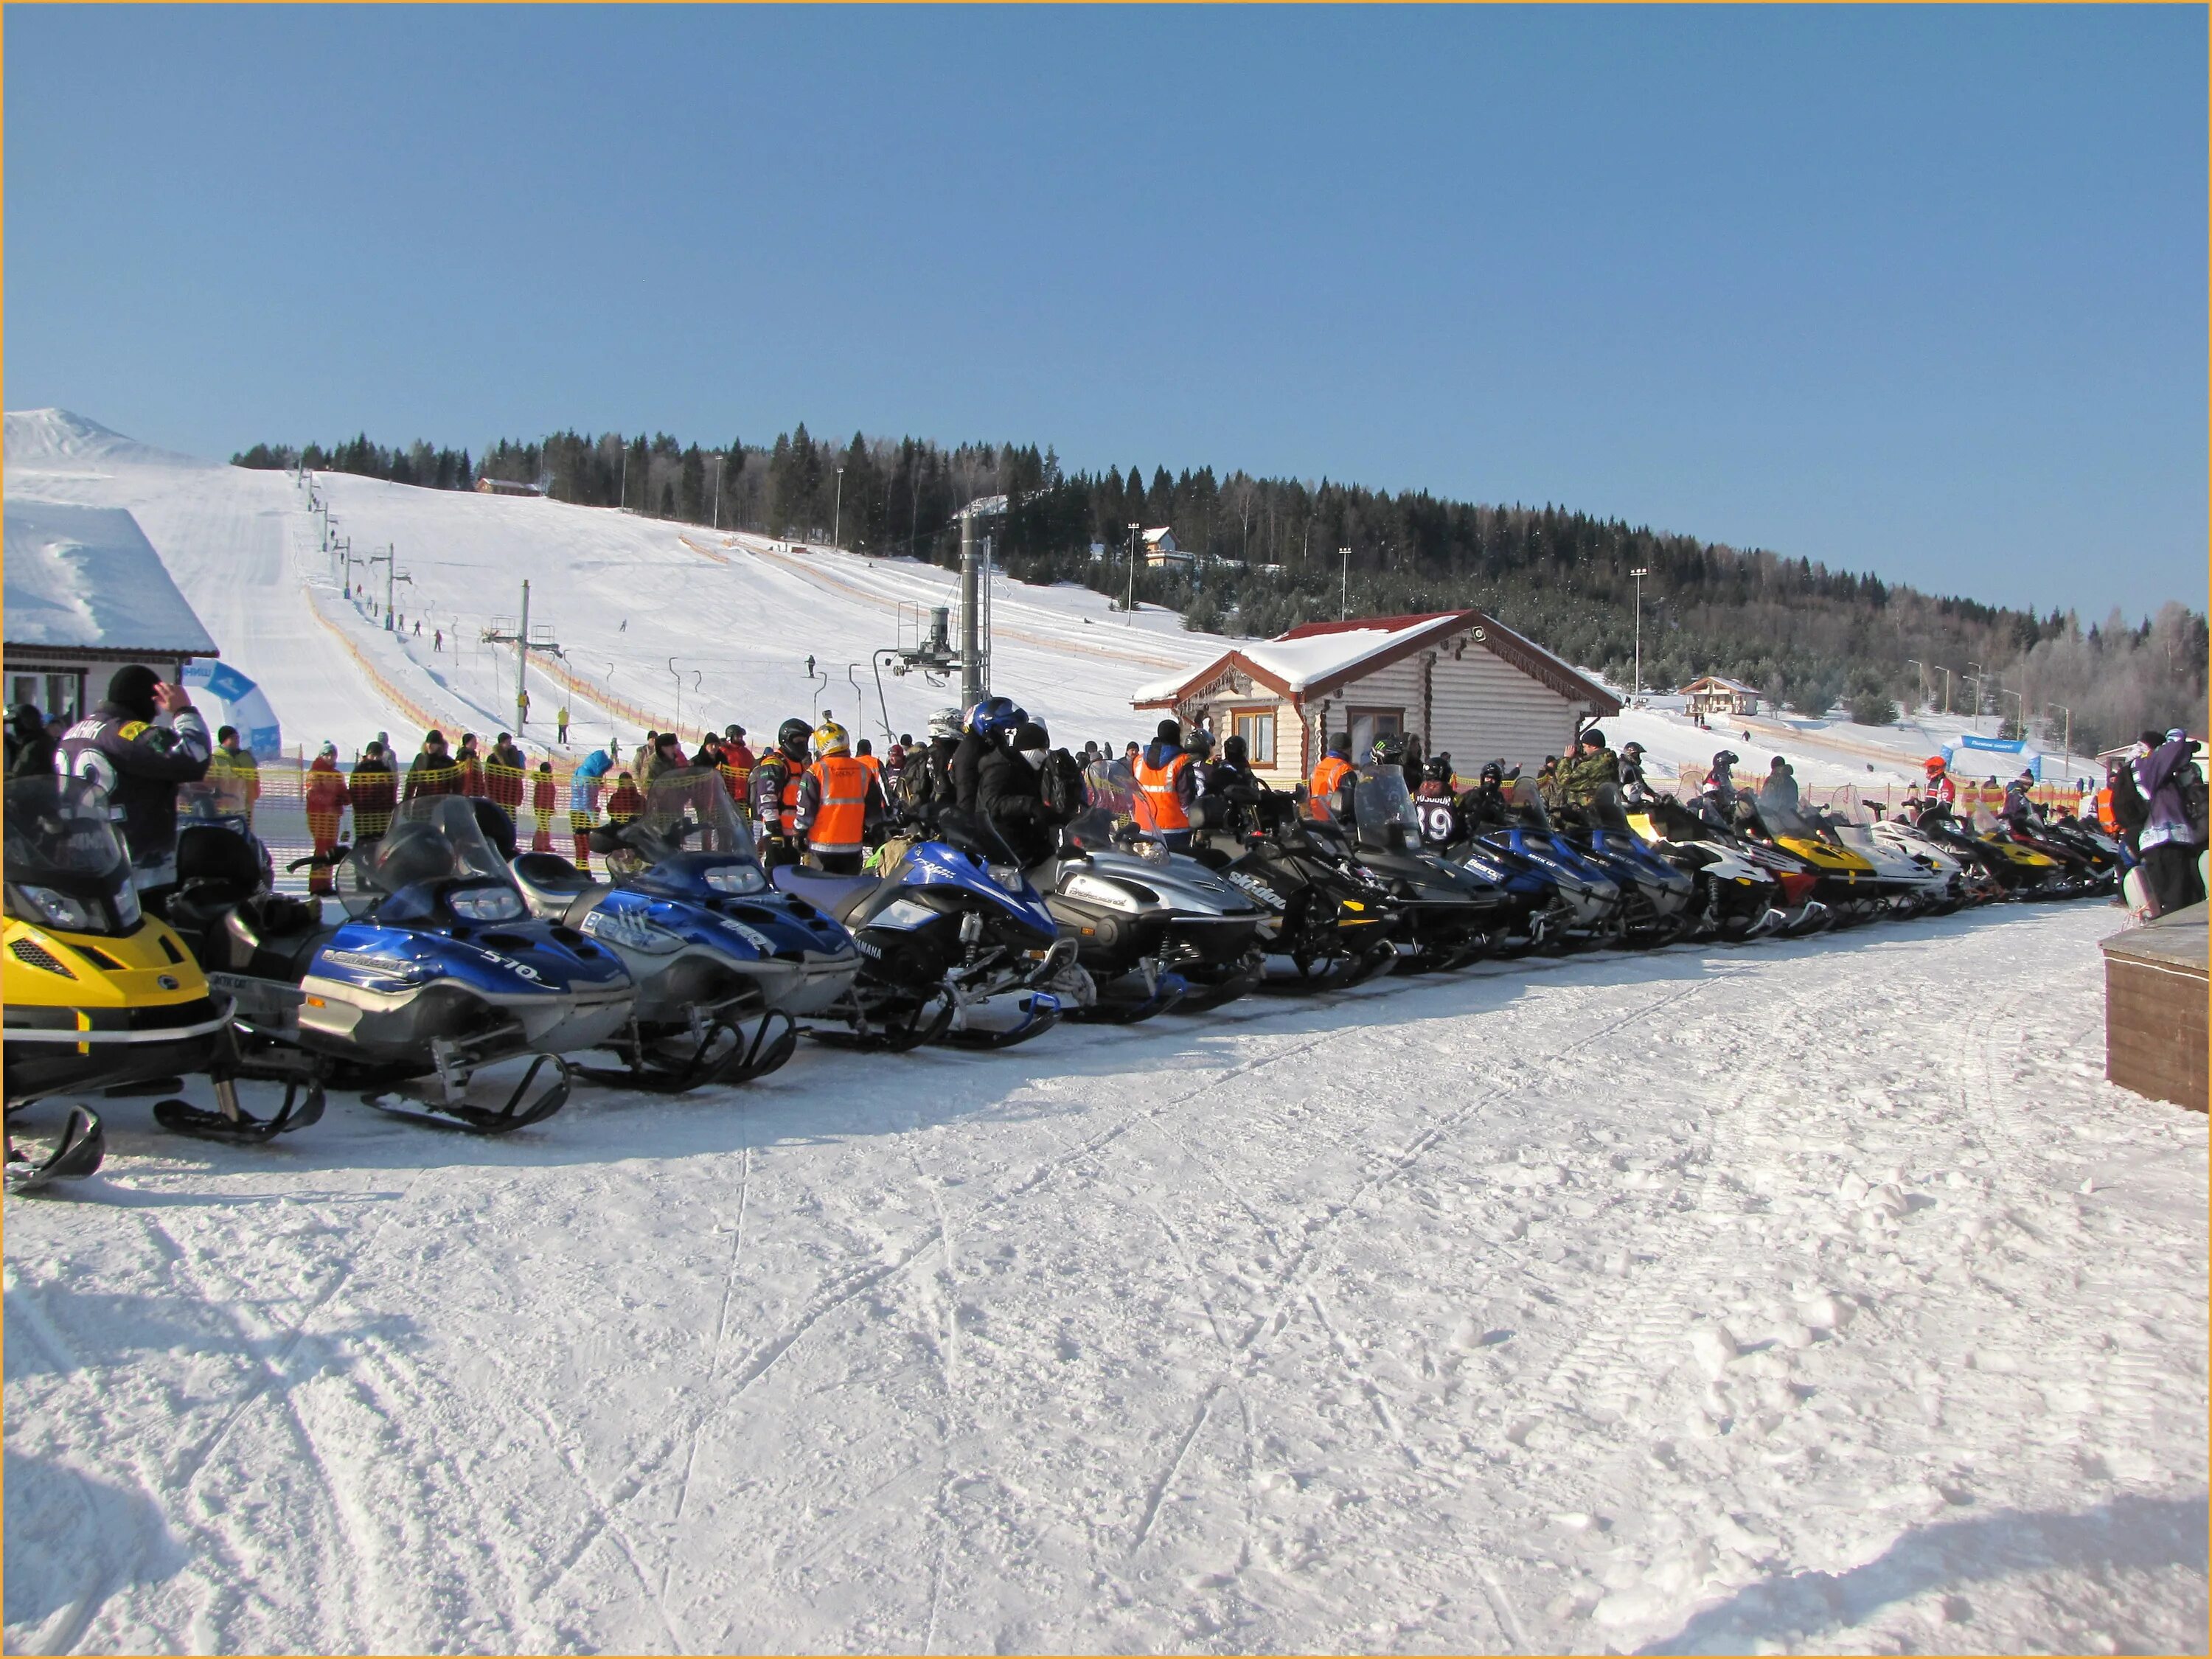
(2156, 987)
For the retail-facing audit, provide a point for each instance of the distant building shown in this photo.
(506, 487)
(1716, 694)
(1163, 552)
(1459, 680)
(86, 593)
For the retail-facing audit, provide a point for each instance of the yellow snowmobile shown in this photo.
(98, 994)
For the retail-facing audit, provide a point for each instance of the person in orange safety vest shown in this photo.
(841, 804)
(1167, 783)
(1328, 777)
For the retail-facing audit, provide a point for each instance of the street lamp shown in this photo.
(718, 488)
(1915, 662)
(1639, 575)
(1344, 584)
(1129, 605)
(837, 517)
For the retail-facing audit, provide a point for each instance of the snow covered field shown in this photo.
(1814, 1295)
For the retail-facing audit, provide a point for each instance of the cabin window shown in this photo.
(1258, 731)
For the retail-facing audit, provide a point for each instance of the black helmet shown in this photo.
(1201, 742)
(1388, 749)
(1727, 757)
(793, 735)
(1235, 751)
(1438, 770)
(1632, 747)
(1493, 772)
(497, 826)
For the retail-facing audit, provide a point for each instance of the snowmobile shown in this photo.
(2088, 869)
(1656, 897)
(2022, 871)
(1711, 824)
(1336, 918)
(1847, 883)
(950, 926)
(1732, 899)
(98, 994)
(709, 944)
(1538, 913)
(1970, 872)
(439, 971)
(1154, 929)
(1925, 887)
(1593, 893)
(1448, 915)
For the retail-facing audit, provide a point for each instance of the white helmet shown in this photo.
(947, 723)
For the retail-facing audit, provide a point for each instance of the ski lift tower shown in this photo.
(517, 632)
(975, 658)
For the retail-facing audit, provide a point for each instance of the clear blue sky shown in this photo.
(1920, 291)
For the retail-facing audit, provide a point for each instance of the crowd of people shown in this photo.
(818, 796)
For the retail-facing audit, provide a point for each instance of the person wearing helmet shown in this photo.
(841, 804)
(1483, 806)
(1436, 779)
(775, 794)
(2018, 808)
(988, 725)
(1012, 793)
(1939, 787)
(1633, 789)
(924, 784)
(1166, 786)
(1329, 778)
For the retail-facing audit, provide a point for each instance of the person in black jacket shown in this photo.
(140, 763)
(1010, 792)
(31, 747)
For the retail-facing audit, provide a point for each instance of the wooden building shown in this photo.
(1716, 694)
(1459, 680)
(86, 593)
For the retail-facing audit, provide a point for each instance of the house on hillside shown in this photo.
(86, 593)
(1163, 552)
(506, 487)
(1461, 681)
(1716, 694)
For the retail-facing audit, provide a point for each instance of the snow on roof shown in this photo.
(87, 577)
(1721, 681)
(1315, 650)
(57, 441)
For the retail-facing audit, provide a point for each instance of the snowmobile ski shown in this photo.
(479, 1119)
(303, 1104)
(82, 1144)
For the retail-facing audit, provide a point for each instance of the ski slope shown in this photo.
(1815, 1297)
(685, 624)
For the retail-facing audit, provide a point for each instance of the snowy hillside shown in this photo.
(672, 619)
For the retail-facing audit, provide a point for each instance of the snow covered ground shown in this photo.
(1816, 1296)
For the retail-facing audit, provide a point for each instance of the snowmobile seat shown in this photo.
(837, 895)
(549, 872)
(274, 938)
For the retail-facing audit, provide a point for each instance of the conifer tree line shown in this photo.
(1807, 636)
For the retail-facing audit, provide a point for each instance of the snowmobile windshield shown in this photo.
(211, 804)
(432, 838)
(689, 809)
(1781, 820)
(1527, 803)
(1114, 788)
(1379, 800)
(1604, 810)
(59, 835)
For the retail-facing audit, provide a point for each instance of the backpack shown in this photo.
(2195, 800)
(1062, 785)
(915, 785)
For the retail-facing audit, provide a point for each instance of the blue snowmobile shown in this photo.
(439, 971)
(951, 926)
(710, 944)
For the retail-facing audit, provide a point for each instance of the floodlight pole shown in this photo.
(1639, 574)
(1344, 585)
